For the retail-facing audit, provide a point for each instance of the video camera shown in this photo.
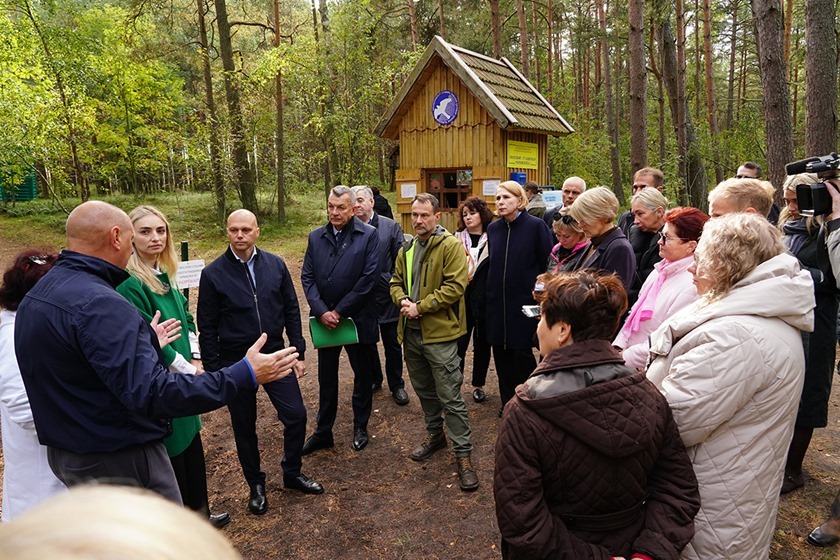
(814, 199)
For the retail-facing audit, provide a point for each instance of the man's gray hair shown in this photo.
(342, 190)
(363, 190)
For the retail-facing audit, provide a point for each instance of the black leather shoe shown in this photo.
(375, 387)
(400, 396)
(220, 520)
(258, 503)
(360, 439)
(791, 483)
(314, 443)
(818, 538)
(478, 395)
(303, 483)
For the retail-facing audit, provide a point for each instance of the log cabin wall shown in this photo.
(473, 141)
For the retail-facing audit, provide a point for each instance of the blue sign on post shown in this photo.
(445, 107)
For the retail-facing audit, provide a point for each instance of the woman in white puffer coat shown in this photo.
(731, 366)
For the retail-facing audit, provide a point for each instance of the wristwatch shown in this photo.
(196, 355)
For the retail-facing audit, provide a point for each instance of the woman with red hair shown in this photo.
(669, 287)
(27, 477)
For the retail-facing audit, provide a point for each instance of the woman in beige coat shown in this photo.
(731, 367)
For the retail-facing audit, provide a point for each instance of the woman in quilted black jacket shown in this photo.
(589, 462)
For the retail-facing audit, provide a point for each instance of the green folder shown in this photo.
(322, 337)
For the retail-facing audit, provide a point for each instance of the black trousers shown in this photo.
(144, 466)
(191, 474)
(359, 356)
(476, 328)
(513, 367)
(285, 396)
(393, 358)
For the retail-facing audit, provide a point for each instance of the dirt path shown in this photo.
(381, 505)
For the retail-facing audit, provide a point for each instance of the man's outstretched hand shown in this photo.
(270, 367)
(168, 331)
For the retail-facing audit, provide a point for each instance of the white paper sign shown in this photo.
(488, 187)
(408, 190)
(189, 272)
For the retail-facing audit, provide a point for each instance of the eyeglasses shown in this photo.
(744, 177)
(565, 219)
(639, 187)
(666, 238)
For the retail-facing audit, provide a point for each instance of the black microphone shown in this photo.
(801, 166)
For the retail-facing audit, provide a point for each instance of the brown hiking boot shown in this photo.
(429, 446)
(467, 478)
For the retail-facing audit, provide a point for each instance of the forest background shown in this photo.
(254, 100)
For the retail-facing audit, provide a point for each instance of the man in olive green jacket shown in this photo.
(428, 286)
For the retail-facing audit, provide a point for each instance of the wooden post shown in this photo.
(185, 256)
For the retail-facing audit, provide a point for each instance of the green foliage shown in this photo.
(135, 92)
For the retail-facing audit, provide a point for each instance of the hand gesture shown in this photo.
(270, 367)
(168, 331)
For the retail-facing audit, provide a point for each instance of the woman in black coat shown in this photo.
(519, 248)
(595, 210)
(800, 236)
(473, 218)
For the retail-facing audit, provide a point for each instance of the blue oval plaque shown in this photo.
(445, 107)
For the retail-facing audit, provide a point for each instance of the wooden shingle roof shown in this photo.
(502, 90)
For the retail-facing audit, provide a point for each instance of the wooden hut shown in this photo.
(464, 123)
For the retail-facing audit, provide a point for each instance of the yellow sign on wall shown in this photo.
(522, 155)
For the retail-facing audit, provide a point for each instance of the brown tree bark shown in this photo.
(697, 51)
(412, 15)
(733, 50)
(708, 57)
(690, 160)
(442, 23)
(638, 86)
(243, 173)
(213, 120)
(778, 133)
(788, 23)
(618, 187)
(682, 115)
(660, 90)
(495, 28)
(550, 54)
(535, 34)
(280, 142)
(523, 37)
(820, 78)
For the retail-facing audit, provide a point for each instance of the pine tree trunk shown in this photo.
(618, 187)
(242, 171)
(708, 57)
(280, 141)
(778, 134)
(638, 86)
(820, 82)
(412, 15)
(523, 37)
(733, 50)
(495, 28)
(695, 177)
(213, 120)
(442, 23)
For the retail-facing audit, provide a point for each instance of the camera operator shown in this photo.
(828, 534)
(832, 228)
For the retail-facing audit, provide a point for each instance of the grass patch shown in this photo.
(40, 223)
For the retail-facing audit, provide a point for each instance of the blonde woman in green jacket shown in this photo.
(150, 288)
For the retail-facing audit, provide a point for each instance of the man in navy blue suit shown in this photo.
(341, 267)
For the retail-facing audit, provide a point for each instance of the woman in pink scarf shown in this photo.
(669, 287)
